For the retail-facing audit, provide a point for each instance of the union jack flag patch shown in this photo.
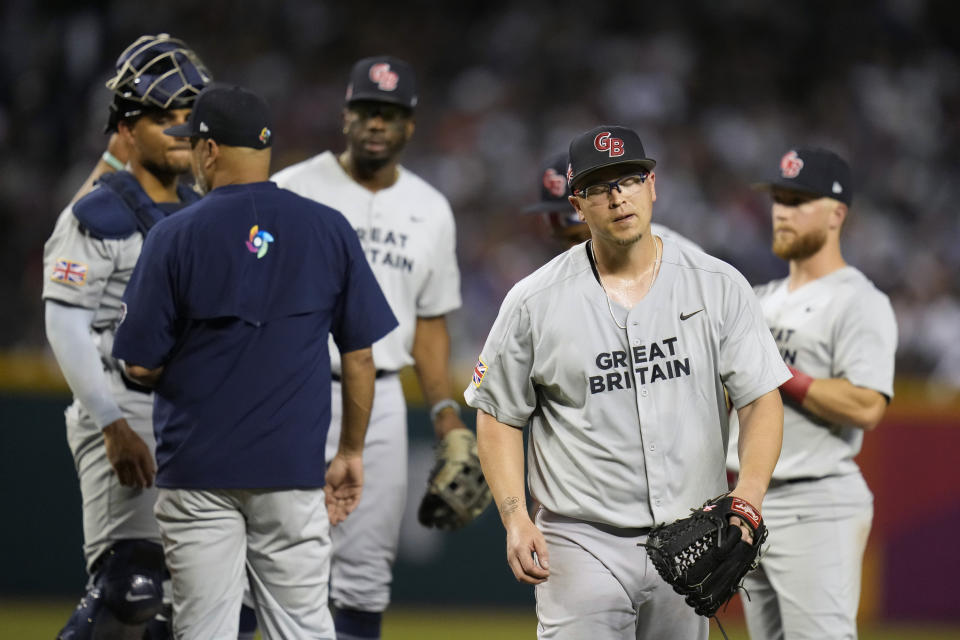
(69, 272)
(478, 372)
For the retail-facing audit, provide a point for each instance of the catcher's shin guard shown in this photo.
(126, 594)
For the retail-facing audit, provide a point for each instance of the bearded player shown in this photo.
(837, 333)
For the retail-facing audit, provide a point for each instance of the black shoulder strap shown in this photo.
(187, 195)
(144, 211)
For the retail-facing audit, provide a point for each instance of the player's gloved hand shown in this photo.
(446, 421)
(129, 455)
(456, 491)
(344, 486)
(704, 557)
(524, 540)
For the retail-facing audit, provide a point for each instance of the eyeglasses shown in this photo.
(626, 184)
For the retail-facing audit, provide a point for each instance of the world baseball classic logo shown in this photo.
(604, 142)
(790, 165)
(259, 241)
(385, 78)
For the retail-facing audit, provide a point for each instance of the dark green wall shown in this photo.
(41, 533)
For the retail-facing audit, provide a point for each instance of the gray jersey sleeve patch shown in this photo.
(76, 266)
(502, 379)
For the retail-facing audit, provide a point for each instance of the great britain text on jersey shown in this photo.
(668, 365)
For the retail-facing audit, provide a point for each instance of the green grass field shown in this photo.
(41, 621)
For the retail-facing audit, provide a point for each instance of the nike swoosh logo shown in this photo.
(685, 316)
(132, 598)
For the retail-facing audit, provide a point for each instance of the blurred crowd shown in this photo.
(718, 91)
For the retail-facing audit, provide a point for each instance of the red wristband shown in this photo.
(796, 387)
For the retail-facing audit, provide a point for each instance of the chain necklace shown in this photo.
(656, 266)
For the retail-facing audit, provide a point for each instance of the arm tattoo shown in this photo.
(510, 505)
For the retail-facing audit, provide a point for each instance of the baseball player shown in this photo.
(228, 313)
(407, 231)
(838, 335)
(87, 264)
(566, 224)
(615, 355)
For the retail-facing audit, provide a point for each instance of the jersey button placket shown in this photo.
(636, 343)
(652, 463)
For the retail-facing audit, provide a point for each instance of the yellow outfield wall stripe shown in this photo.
(30, 371)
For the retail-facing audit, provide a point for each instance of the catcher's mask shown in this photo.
(155, 72)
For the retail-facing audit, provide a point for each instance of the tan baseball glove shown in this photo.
(456, 491)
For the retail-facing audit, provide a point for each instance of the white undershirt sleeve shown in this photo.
(68, 331)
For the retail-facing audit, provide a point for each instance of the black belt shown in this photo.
(780, 483)
(134, 386)
(127, 382)
(620, 532)
(381, 373)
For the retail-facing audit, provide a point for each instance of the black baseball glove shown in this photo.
(456, 490)
(703, 557)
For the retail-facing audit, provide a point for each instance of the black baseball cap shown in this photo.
(383, 79)
(554, 189)
(819, 172)
(229, 114)
(605, 146)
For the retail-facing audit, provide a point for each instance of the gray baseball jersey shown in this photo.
(84, 271)
(409, 236)
(838, 326)
(628, 427)
(666, 232)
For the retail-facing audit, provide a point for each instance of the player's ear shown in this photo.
(345, 120)
(408, 129)
(652, 179)
(125, 131)
(575, 203)
(838, 215)
(213, 152)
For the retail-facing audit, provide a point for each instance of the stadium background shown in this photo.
(717, 90)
